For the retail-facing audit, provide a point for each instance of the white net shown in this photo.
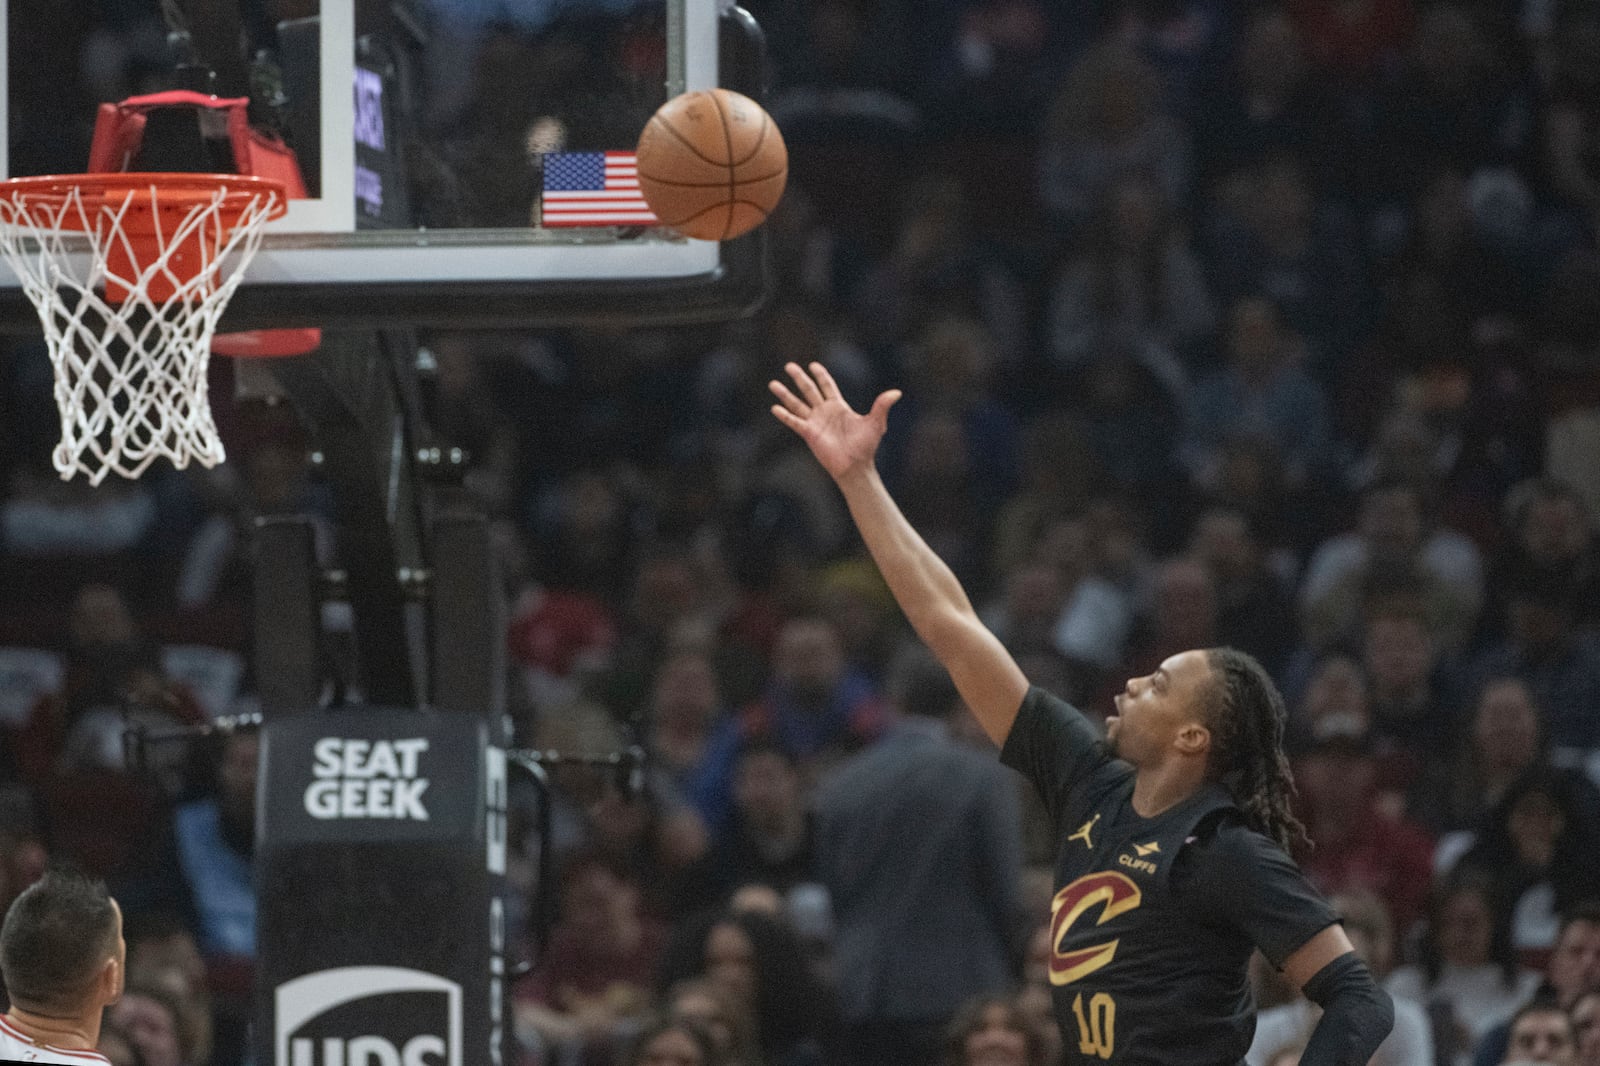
(130, 367)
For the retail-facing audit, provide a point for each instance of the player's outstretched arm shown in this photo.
(845, 442)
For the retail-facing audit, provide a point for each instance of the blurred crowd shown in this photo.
(1269, 324)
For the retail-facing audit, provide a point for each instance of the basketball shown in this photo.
(712, 165)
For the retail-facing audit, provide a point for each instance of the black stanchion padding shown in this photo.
(380, 882)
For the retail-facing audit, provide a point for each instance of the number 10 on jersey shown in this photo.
(1097, 1024)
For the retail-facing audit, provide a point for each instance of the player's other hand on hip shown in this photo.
(843, 441)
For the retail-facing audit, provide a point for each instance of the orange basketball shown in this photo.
(712, 164)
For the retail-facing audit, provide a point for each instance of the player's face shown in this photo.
(1152, 710)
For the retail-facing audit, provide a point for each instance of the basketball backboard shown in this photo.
(423, 129)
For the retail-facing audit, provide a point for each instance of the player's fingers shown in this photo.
(787, 418)
(788, 399)
(825, 382)
(880, 406)
(802, 380)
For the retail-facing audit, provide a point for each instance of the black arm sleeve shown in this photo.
(1356, 1014)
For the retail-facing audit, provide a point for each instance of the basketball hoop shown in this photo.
(130, 274)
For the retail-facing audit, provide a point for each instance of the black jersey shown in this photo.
(1154, 919)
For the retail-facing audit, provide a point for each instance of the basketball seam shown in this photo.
(728, 204)
(766, 120)
(712, 184)
(685, 141)
(727, 139)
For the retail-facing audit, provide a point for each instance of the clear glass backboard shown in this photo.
(423, 129)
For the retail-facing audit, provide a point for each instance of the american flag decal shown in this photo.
(593, 189)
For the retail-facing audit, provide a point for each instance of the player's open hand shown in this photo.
(843, 441)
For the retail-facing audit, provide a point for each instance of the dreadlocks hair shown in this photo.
(1245, 714)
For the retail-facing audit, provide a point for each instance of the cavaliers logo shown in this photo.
(1115, 894)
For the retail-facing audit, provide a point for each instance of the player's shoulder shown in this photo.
(15, 1046)
(1226, 844)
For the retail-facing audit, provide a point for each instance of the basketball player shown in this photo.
(62, 957)
(1172, 865)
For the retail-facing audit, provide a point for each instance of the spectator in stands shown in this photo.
(152, 1018)
(1505, 739)
(1552, 533)
(1035, 997)
(853, 597)
(594, 981)
(685, 705)
(770, 838)
(1392, 551)
(1186, 41)
(674, 1042)
(954, 449)
(1541, 1035)
(1456, 104)
(1136, 286)
(1354, 44)
(1272, 237)
(1360, 844)
(1106, 124)
(1181, 613)
(813, 707)
(23, 858)
(1586, 1024)
(760, 964)
(898, 982)
(162, 953)
(1262, 392)
(1545, 649)
(731, 1028)
(1057, 474)
(1254, 610)
(110, 663)
(1289, 1024)
(1411, 708)
(117, 1047)
(989, 1030)
(1572, 117)
(1129, 407)
(941, 263)
(1267, 104)
(558, 639)
(1335, 700)
(1467, 977)
(1542, 847)
(215, 840)
(654, 838)
(1572, 973)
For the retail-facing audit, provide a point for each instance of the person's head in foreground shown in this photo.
(1541, 1032)
(673, 1042)
(1216, 711)
(991, 1031)
(62, 957)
